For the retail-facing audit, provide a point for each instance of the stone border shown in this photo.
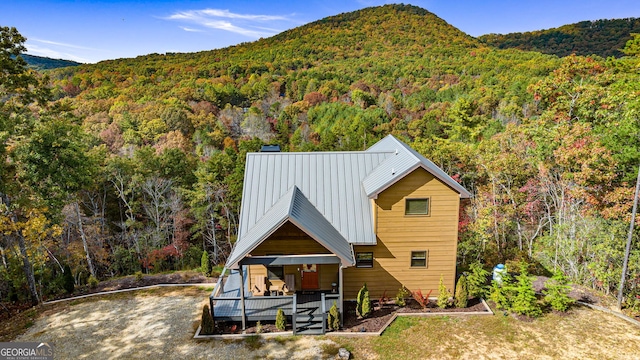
(239, 336)
(429, 314)
(122, 290)
(345, 333)
(612, 312)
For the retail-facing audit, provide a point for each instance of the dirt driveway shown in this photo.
(153, 324)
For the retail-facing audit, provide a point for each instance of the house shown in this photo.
(315, 226)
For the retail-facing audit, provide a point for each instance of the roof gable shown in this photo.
(297, 209)
(403, 161)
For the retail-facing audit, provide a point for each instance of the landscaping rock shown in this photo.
(344, 354)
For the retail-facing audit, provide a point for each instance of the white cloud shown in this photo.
(190, 29)
(250, 25)
(54, 54)
(49, 42)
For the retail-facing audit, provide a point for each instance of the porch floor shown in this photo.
(262, 308)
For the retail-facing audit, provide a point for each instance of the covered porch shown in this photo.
(306, 310)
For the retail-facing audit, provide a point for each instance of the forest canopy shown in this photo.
(137, 164)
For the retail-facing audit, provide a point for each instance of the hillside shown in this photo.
(45, 63)
(601, 37)
(548, 146)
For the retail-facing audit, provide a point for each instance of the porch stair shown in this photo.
(309, 321)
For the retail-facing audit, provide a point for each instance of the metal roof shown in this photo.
(331, 181)
(336, 188)
(297, 209)
(404, 160)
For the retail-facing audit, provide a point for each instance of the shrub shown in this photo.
(205, 264)
(443, 294)
(139, 276)
(363, 302)
(259, 327)
(207, 324)
(334, 317)
(281, 320)
(402, 293)
(557, 292)
(477, 280)
(68, 282)
(462, 294)
(525, 301)
(93, 282)
(421, 299)
(502, 293)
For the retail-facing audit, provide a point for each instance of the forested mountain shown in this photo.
(45, 63)
(154, 147)
(601, 37)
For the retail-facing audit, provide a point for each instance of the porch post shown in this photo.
(244, 320)
(340, 294)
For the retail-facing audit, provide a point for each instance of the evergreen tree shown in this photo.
(334, 317)
(205, 264)
(281, 320)
(68, 281)
(207, 323)
(443, 294)
(363, 302)
(477, 280)
(557, 292)
(462, 294)
(525, 301)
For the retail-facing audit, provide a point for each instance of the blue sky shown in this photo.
(91, 31)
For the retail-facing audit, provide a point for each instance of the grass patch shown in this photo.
(253, 342)
(330, 349)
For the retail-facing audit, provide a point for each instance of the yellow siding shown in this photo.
(399, 234)
(289, 240)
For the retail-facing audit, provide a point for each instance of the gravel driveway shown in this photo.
(150, 325)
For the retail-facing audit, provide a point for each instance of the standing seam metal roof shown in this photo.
(339, 186)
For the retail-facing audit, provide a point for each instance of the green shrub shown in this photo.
(334, 317)
(525, 301)
(205, 264)
(259, 327)
(462, 294)
(93, 282)
(363, 302)
(281, 320)
(401, 295)
(557, 292)
(68, 281)
(207, 324)
(477, 280)
(443, 294)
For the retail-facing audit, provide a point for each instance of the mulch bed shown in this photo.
(381, 315)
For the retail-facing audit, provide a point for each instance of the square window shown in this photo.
(419, 258)
(416, 207)
(275, 272)
(364, 260)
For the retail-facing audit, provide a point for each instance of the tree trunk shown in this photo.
(84, 240)
(28, 270)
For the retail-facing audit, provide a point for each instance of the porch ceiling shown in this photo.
(291, 260)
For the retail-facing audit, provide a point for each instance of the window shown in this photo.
(364, 260)
(275, 272)
(419, 258)
(416, 207)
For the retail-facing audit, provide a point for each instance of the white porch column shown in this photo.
(340, 294)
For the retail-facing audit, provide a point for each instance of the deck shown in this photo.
(226, 305)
